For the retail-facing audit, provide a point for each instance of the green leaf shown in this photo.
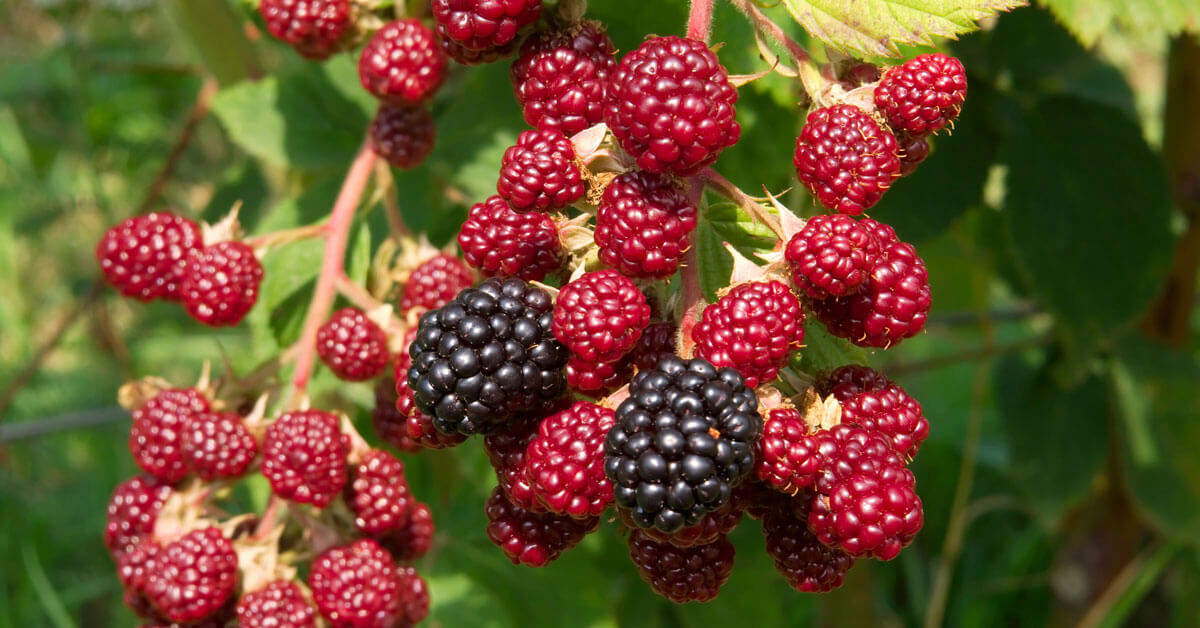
(824, 352)
(1089, 19)
(877, 27)
(737, 227)
(1088, 213)
(1057, 436)
(289, 273)
(359, 261)
(716, 264)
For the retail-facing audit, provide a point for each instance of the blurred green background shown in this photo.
(1059, 370)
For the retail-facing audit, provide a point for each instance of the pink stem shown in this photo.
(693, 295)
(699, 23)
(336, 232)
(771, 29)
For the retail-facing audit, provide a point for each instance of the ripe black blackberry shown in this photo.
(682, 440)
(486, 356)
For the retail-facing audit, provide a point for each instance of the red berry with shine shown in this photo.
(561, 76)
(482, 24)
(313, 27)
(642, 225)
(877, 404)
(806, 564)
(156, 435)
(468, 56)
(845, 159)
(682, 574)
(565, 461)
(505, 449)
(499, 241)
(656, 342)
(435, 282)
(221, 284)
(414, 597)
(924, 94)
(133, 569)
(413, 540)
(132, 511)
(787, 457)
(711, 527)
(194, 576)
(831, 256)
(379, 495)
(402, 135)
(402, 64)
(353, 346)
(145, 257)
(752, 329)
(358, 586)
(218, 445)
(913, 150)
(280, 604)
(600, 316)
(539, 172)
(597, 379)
(671, 106)
(304, 457)
(530, 538)
(389, 423)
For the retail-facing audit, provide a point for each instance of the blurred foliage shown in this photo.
(1045, 218)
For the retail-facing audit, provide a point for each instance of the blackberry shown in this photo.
(437, 280)
(656, 342)
(924, 94)
(313, 27)
(560, 78)
(752, 329)
(539, 172)
(486, 356)
(682, 440)
(145, 257)
(845, 159)
(711, 527)
(691, 574)
(280, 604)
(414, 430)
(564, 461)
(499, 241)
(484, 24)
(642, 225)
(402, 135)
(402, 64)
(806, 564)
(132, 512)
(156, 434)
(353, 346)
(530, 538)
(600, 316)
(831, 256)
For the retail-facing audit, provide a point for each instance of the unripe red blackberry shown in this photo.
(845, 159)
(145, 257)
(831, 256)
(656, 342)
(670, 105)
(876, 403)
(132, 511)
(304, 457)
(682, 574)
(437, 280)
(865, 501)
(402, 135)
(788, 458)
(481, 24)
(539, 172)
(560, 78)
(486, 357)
(218, 445)
(682, 441)
(313, 27)
(565, 461)
(642, 225)
(530, 538)
(389, 423)
(499, 241)
(378, 494)
(849, 380)
(357, 585)
(597, 379)
(751, 329)
(402, 64)
(922, 95)
(711, 527)
(194, 576)
(353, 346)
(468, 56)
(156, 434)
(413, 540)
(414, 597)
(221, 284)
(890, 306)
(806, 564)
(505, 449)
(913, 150)
(280, 604)
(600, 316)
(133, 568)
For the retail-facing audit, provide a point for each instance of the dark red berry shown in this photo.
(924, 94)
(872, 401)
(420, 427)
(643, 224)
(539, 172)
(221, 284)
(851, 379)
(788, 458)
(145, 257)
(218, 445)
(482, 24)
(596, 379)
(711, 527)
(499, 241)
(402, 64)
(280, 604)
(656, 342)
(389, 422)
(752, 329)
(565, 461)
(505, 448)
(682, 574)
(132, 511)
(560, 78)
(529, 538)
(353, 346)
(313, 27)
(806, 564)
(831, 256)
(358, 586)
(156, 435)
(402, 135)
(414, 597)
(133, 568)
(437, 280)
(600, 316)
(413, 540)
(194, 576)
(468, 56)
(379, 495)
(304, 457)
(913, 150)
(670, 105)
(845, 159)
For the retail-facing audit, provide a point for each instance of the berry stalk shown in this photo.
(810, 76)
(693, 296)
(735, 194)
(699, 23)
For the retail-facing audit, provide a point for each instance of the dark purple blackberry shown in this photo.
(682, 440)
(487, 356)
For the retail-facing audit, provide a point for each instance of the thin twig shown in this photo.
(693, 295)
(356, 294)
(745, 201)
(285, 236)
(1149, 563)
(968, 355)
(199, 111)
(810, 75)
(699, 23)
(391, 201)
(10, 432)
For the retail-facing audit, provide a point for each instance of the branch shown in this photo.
(699, 23)
(745, 201)
(199, 111)
(336, 232)
(391, 202)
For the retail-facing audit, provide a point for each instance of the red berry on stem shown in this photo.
(561, 76)
(565, 461)
(402, 64)
(358, 586)
(194, 576)
(656, 342)
(600, 316)
(304, 457)
(468, 56)
(313, 27)
(913, 150)
(145, 257)
(222, 283)
(806, 564)
(280, 604)
(414, 597)
(482, 24)
(218, 445)
(787, 457)
(691, 574)
(530, 538)
(499, 241)
(539, 172)
(505, 449)
(413, 540)
(437, 280)
(402, 135)
(132, 511)
(845, 159)
(353, 346)
(643, 224)
(752, 329)
(924, 94)
(874, 402)
(156, 435)
(379, 495)
(831, 256)
(597, 379)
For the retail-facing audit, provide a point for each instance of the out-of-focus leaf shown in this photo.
(1089, 19)
(358, 261)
